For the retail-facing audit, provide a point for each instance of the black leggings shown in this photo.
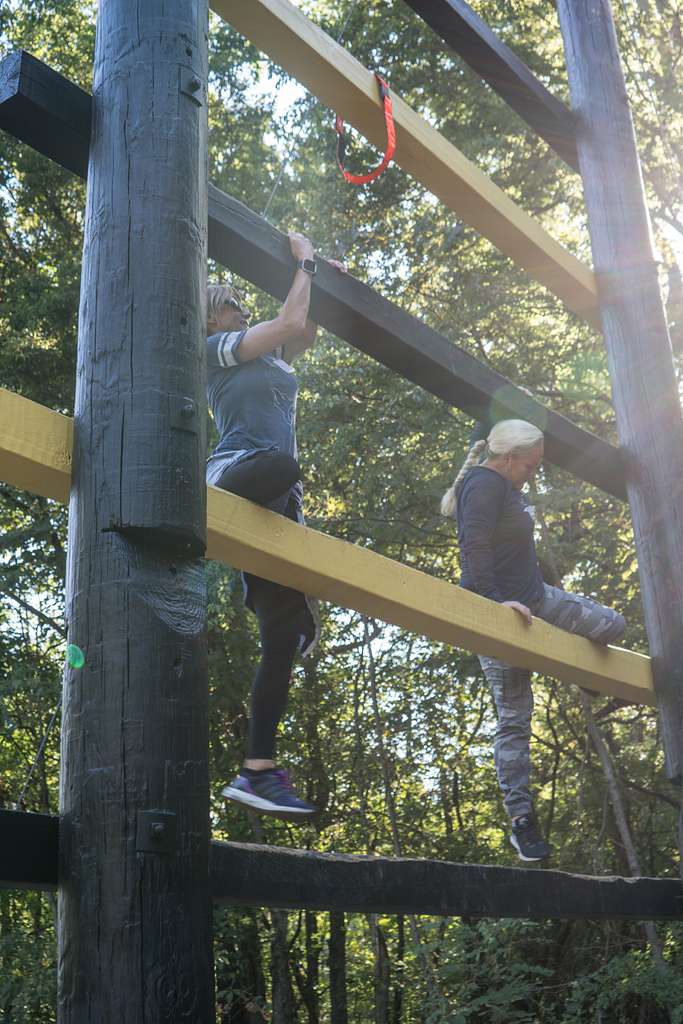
(282, 613)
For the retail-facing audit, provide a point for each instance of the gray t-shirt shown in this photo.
(254, 407)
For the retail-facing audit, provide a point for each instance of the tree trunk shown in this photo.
(382, 971)
(337, 967)
(283, 996)
(397, 1006)
(620, 818)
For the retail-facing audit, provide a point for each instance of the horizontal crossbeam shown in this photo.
(470, 37)
(246, 243)
(254, 876)
(332, 74)
(266, 876)
(44, 109)
(28, 850)
(245, 536)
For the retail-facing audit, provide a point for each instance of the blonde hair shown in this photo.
(508, 437)
(216, 294)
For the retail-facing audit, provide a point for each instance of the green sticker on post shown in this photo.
(75, 657)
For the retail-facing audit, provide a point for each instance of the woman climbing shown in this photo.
(252, 392)
(498, 561)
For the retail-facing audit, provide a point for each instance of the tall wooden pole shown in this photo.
(134, 929)
(644, 386)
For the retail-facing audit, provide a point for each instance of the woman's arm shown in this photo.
(307, 338)
(290, 323)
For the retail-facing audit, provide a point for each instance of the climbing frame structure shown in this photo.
(136, 871)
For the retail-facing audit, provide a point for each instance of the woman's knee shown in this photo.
(285, 468)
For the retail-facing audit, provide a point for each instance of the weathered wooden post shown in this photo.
(640, 358)
(135, 933)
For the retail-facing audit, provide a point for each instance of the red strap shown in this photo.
(363, 179)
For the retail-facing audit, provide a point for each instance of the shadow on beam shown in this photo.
(270, 876)
(37, 104)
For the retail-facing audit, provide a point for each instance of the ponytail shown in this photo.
(450, 498)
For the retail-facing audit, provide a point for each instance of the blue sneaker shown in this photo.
(528, 841)
(270, 792)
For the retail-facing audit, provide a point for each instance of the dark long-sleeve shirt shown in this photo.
(496, 534)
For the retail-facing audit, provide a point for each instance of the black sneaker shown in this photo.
(528, 841)
(270, 792)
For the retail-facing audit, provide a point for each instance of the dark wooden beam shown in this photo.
(134, 927)
(470, 37)
(269, 876)
(644, 386)
(28, 850)
(45, 110)
(243, 241)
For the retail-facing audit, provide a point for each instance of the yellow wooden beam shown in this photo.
(34, 454)
(329, 71)
(35, 447)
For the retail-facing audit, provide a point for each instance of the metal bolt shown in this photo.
(194, 84)
(187, 411)
(158, 830)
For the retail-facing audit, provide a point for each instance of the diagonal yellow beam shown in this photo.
(332, 74)
(35, 448)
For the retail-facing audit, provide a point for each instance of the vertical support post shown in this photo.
(644, 386)
(134, 930)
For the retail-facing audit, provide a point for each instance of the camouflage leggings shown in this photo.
(511, 688)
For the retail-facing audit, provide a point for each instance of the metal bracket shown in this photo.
(191, 86)
(183, 413)
(156, 832)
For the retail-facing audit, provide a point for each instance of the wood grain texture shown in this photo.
(35, 447)
(245, 242)
(245, 536)
(251, 875)
(471, 38)
(644, 386)
(47, 111)
(329, 71)
(134, 932)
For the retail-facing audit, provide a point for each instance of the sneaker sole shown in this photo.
(529, 860)
(257, 803)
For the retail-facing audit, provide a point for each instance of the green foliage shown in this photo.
(407, 732)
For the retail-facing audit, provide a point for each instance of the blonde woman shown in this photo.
(252, 391)
(498, 560)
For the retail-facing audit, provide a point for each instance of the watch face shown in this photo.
(309, 266)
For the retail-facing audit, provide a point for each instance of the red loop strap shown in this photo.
(363, 179)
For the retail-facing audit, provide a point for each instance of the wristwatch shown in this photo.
(310, 266)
